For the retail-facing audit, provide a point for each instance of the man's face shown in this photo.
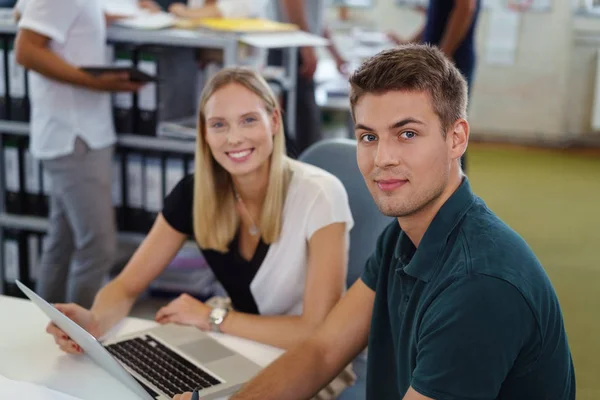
(402, 152)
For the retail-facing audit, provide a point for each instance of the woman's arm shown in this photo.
(325, 282)
(115, 300)
(222, 9)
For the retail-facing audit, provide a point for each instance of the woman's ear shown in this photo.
(276, 120)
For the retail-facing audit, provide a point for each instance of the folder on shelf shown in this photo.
(117, 189)
(237, 25)
(33, 185)
(17, 88)
(14, 262)
(147, 97)
(135, 192)
(153, 185)
(3, 79)
(12, 175)
(123, 101)
(46, 185)
(175, 171)
(34, 251)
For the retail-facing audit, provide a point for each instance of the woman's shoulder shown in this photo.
(312, 180)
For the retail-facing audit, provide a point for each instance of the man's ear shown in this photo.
(458, 138)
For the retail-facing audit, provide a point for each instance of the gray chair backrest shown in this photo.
(338, 156)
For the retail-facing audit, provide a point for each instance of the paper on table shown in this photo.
(10, 389)
(283, 39)
(121, 7)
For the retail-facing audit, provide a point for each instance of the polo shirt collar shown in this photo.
(424, 261)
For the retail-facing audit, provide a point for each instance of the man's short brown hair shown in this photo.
(420, 68)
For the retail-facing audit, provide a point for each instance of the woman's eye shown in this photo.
(408, 134)
(217, 125)
(368, 138)
(249, 120)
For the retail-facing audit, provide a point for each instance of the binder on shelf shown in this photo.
(45, 197)
(14, 262)
(117, 189)
(33, 185)
(4, 100)
(17, 89)
(134, 219)
(190, 165)
(33, 255)
(174, 96)
(12, 175)
(147, 97)
(175, 171)
(123, 111)
(153, 187)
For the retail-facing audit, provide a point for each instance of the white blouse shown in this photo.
(315, 199)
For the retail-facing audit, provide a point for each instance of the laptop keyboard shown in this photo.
(162, 367)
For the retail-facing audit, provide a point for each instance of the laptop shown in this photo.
(160, 362)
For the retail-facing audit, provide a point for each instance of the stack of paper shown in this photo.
(137, 18)
(10, 389)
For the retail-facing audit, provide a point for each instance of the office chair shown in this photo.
(338, 156)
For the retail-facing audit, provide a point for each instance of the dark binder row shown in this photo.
(140, 182)
(22, 250)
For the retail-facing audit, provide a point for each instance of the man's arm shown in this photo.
(33, 52)
(458, 24)
(303, 371)
(295, 13)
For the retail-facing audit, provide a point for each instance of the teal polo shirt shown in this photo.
(470, 314)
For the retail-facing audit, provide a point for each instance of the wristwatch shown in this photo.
(217, 316)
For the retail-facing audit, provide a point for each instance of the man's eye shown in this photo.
(368, 138)
(408, 134)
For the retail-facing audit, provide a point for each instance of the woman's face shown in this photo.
(239, 130)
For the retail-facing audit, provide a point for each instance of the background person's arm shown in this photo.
(296, 14)
(458, 25)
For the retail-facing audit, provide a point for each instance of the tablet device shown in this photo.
(135, 75)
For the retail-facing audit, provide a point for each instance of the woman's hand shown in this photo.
(150, 6)
(185, 310)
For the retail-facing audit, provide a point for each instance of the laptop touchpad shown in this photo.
(206, 350)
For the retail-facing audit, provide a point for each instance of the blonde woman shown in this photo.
(274, 231)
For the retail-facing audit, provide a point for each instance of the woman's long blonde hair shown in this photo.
(215, 217)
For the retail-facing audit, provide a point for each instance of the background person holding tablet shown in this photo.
(72, 133)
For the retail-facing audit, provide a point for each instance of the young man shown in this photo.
(72, 133)
(453, 304)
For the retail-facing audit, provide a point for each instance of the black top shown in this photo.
(469, 314)
(438, 15)
(231, 269)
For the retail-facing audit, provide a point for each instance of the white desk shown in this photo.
(28, 353)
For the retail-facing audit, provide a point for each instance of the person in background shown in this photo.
(453, 303)
(451, 25)
(211, 8)
(308, 15)
(73, 135)
(274, 231)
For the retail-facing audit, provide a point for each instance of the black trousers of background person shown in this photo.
(307, 129)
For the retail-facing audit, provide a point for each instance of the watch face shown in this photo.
(218, 313)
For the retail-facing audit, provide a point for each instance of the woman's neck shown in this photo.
(252, 188)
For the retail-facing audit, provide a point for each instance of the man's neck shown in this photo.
(416, 225)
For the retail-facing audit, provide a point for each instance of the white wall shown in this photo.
(530, 100)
